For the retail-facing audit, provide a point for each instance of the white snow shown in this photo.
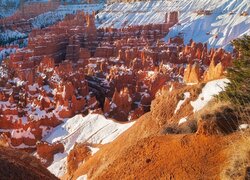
(17, 81)
(182, 120)
(59, 165)
(35, 113)
(9, 34)
(22, 146)
(211, 89)
(113, 106)
(3, 71)
(83, 177)
(125, 14)
(93, 129)
(52, 17)
(4, 105)
(227, 26)
(46, 130)
(93, 150)
(5, 52)
(8, 7)
(186, 96)
(244, 126)
(33, 87)
(225, 22)
(21, 133)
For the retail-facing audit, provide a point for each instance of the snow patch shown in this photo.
(93, 129)
(93, 150)
(217, 29)
(182, 120)
(83, 177)
(52, 17)
(244, 126)
(211, 89)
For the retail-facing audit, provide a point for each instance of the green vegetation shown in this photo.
(238, 90)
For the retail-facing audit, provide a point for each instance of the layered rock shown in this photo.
(77, 155)
(216, 60)
(20, 20)
(46, 151)
(192, 73)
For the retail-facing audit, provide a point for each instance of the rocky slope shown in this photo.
(159, 146)
(21, 165)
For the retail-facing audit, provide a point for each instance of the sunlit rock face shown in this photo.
(216, 61)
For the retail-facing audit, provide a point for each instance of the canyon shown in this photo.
(87, 92)
(73, 67)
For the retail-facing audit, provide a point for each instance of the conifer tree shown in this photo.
(238, 90)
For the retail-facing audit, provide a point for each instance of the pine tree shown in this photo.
(238, 90)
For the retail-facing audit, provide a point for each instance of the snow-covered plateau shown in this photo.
(225, 23)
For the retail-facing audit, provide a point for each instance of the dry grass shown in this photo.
(217, 118)
(229, 115)
(238, 150)
(239, 158)
(212, 107)
(238, 166)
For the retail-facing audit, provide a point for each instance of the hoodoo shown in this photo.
(124, 90)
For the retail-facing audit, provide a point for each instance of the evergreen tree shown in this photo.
(238, 90)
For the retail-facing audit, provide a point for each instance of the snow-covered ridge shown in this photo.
(93, 129)
(218, 29)
(52, 17)
(224, 24)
